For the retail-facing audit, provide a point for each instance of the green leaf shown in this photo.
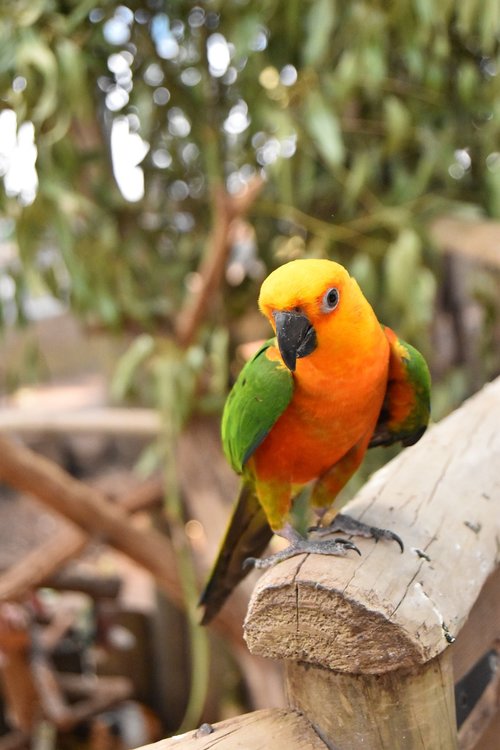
(347, 72)
(467, 80)
(140, 350)
(320, 22)
(150, 460)
(467, 11)
(35, 54)
(397, 122)
(489, 24)
(373, 64)
(27, 12)
(400, 266)
(420, 300)
(364, 271)
(359, 173)
(324, 128)
(245, 32)
(72, 70)
(425, 11)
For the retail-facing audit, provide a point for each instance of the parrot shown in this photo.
(330, 384)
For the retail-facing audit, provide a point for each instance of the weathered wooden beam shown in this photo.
(476, 239)
(279, 729)
(383, 610)
(366, 641)
(482, 715)
(489, 738)
(106, 421)
(42, 565)
(482, 629)
(90, 511)
(95, 696)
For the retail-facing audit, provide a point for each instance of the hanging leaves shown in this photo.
(325, 130)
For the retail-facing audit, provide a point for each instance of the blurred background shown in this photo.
(157, 160)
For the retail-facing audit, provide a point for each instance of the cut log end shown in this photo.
(295, 618)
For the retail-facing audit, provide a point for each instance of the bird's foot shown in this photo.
(348, 525)
(299, 546)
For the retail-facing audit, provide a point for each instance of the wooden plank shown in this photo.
(42, 564)
(105, 421)
(482, 716)
(37, 566)
(383, 610)
(477, 240)
(481, 630)
(489, 739)
(279, 729)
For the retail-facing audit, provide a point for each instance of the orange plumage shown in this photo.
(338, 388)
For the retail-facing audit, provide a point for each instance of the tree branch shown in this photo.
(227, 208)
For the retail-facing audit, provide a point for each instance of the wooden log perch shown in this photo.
(385, 611)
(366, 640)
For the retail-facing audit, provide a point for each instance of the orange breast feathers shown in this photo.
(338, 389)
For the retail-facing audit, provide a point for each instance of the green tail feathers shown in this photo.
(247, 535)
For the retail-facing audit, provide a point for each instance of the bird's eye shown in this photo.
(331, 299)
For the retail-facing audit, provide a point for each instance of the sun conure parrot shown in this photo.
(305, 409)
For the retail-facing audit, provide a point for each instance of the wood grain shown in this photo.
(411, 711)
(279, 729)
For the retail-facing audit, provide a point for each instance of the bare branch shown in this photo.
(227, 209)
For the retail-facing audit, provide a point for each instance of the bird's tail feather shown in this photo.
(247, 535)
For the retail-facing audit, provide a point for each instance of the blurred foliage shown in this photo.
(125, 121)
(121, 123)
(365, 120)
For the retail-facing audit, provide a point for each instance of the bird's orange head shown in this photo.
(314, 306)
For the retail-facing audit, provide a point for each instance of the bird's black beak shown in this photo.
(296, 336)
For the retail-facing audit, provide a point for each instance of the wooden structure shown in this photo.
(76, 514)
(373, 645)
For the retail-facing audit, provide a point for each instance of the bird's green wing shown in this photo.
(260, 395)
(406, 409)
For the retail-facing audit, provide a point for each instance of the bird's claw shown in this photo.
(349, 525)
(338, 547)
(388, 534)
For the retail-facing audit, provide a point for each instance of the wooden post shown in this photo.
(405, 710)
(367, 641)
